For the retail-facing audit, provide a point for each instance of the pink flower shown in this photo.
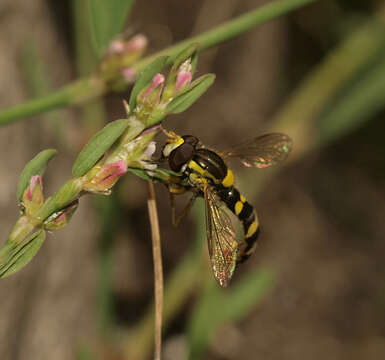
(182, 79)
(61, 218)
(112, 172)
(136, 43)
(128, 74)
(116, 47)
(32, 183)
(157, 80)
(104, 177)
(33, 197)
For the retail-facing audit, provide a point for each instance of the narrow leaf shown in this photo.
(245, 295)
(145, 77)
(189, 51)
(218, 306)
(13, 257)
(196, 89)
(358, 101)
(97, 146)
(141, 173)
(107, 19)
(159, 174)
(36, 166)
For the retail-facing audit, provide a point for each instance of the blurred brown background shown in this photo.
(322, 215)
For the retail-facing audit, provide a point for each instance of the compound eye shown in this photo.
(190, 140)
(180, 156)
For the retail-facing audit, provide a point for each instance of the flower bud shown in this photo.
(153, 90)
(116, 67)
(128, 74)
(61, 218)
(137, 43)
(116, 47)
(33, 197)
(132, 48)
(178, 79)
(149, 98)
(183, 79)
(102, 178)
(145, 159)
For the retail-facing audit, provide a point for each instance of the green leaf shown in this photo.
(145, 77)
(358, 101)
(13, 256)
(97, 146)
(219, 306)
(247, 293)
(107, 19)
(141, 173)
(196, 89)
(159, 174)
(36, 166)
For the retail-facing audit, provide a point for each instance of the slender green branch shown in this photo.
(230, 29)
(87, 89)
(76, 93)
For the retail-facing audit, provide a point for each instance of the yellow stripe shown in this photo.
(179, 142)
(177, 189)
(252, 229)
(229, 179)
(195, 167)
(243, 199)
(238, 207)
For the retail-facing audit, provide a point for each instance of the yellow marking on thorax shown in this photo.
(252, 229)
(229, 179)
(243, 199)
(194, 166)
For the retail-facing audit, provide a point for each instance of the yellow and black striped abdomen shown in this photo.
(210, 166)
(237, 203)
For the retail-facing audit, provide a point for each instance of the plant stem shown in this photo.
(83, 90)
(181, 283)
(158, 271)
(78, 92)
(230, 29)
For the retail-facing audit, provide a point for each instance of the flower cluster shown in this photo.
(123, 145)
(117, 67)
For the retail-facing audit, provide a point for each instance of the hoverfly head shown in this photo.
(179, 153)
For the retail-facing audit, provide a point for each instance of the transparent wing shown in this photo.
(262, 151)
(221, 239)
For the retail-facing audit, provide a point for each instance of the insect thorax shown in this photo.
(207, 165)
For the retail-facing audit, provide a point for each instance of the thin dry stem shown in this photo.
(158, 269)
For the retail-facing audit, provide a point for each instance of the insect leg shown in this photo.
(177, 219)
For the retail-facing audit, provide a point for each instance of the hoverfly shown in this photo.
(205, 174)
